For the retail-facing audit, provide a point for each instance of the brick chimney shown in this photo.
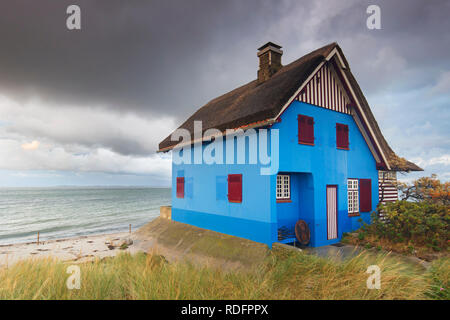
(269, 61)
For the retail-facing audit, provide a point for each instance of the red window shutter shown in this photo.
(345, 136)
(305, 129)
(365, 195)
(235, 187)
(342, 136)
(338, 135)
(301, 127)
(180, 187)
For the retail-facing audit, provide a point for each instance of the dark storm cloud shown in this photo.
(158, 56)
(144, 55)
(137, 67)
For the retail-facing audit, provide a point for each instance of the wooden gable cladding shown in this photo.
(387, 186)
(326, 90)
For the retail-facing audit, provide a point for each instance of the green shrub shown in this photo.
(423, 223)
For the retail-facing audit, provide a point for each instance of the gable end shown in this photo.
(326, 90)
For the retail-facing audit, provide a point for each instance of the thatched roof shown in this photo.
(253, 103)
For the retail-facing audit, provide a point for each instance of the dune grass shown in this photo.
(439, 278)
(284, 275)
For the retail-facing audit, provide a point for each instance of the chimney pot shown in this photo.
(269, 61)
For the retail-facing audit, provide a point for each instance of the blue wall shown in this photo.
(327, 164)
(207, 205)
(311, 167)
(301, 204)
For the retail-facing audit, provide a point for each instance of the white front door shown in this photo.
(332, 212)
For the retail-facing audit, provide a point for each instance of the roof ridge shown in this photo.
(255, 103)
(283, 68)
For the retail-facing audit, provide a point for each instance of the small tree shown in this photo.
(426, 189)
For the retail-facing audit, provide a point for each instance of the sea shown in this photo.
(66, 212)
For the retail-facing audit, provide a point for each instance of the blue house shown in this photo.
(298, 146)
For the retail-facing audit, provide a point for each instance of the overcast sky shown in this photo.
(89, 106)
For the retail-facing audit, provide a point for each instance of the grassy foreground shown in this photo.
(285, 275)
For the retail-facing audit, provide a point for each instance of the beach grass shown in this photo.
(283, 275)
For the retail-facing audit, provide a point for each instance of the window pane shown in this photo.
(352, 195)
(283, 187)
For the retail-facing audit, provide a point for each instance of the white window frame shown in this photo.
(353, 196)
(283, 191)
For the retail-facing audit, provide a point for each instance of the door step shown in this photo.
(337, 245)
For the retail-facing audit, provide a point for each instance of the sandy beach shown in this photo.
(79, 249)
